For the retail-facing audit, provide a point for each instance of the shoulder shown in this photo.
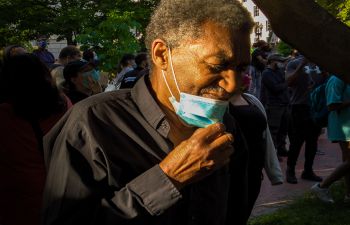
(91, 114)
(292, 66)
(36, 52)
(131, 73)
(334, 81)
(103, 101)
(267, 72)
(56, 68)
(251, 98)
(293, 63)
(254, 101)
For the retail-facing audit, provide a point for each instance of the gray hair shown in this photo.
(176, 20)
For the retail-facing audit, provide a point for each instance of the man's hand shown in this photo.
(195, 158)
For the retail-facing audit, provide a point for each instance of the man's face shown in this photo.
(42, 43)
(209, 66)
(132, 63)
(81, 82)
(73, 58)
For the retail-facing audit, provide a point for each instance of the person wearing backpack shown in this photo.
(338, 103)
(301, 76)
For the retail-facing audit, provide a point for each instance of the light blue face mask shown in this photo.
(195, 110)
(94, 74)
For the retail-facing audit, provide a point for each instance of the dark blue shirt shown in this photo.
(275, 87)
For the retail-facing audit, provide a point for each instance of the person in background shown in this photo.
(13, 50)
(10, 51)
(127, 64)
(252, 120)
(91, 56)
(67, 54)
(43, 54)
(338, 102)
(301, 76)
(141, 69)
(158, 153)
(259, 61)
(31, 107)
(246, 80)
(276, 100)
(81, 80)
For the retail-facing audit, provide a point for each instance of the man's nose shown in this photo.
(228, 81)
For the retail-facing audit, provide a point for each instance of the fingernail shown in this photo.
(220, 127)
(230, 137)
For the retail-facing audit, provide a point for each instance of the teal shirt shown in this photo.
(338, 121)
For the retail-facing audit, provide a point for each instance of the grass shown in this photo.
(308, 210)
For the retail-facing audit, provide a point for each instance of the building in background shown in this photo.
(55, 46)
(262, 29)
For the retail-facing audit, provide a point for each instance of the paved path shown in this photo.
(273, 197)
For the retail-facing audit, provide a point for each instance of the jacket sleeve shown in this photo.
(79, 183)
(271, 165)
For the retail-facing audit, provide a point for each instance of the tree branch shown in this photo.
(313, 31)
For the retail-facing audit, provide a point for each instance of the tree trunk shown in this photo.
(313, 31)
(69, 38)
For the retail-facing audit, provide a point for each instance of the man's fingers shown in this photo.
(223, 141)
(222, 157)
(210, 133)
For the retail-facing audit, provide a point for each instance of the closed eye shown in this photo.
(217, 68)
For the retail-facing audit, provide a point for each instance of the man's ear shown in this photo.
(159, 54)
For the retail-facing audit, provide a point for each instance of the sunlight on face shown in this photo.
(208, 66)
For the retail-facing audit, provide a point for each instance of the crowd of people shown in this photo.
(181, 135)
(287, 87)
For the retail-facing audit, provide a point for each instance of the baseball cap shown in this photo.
(276, 57)
(74, 67)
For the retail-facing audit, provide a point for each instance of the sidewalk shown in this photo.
(274, 197)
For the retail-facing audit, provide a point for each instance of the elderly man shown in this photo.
(157, 153)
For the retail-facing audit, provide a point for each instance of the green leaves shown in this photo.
(21, 21)
(338, 8)
(112, 27)
(344, 12)
(283, 48)
(121, 31)
(112, 38)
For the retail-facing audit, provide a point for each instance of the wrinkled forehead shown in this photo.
(223, 41)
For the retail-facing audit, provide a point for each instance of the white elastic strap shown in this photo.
(166, 82)
(172, 69)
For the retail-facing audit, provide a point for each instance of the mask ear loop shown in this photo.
(166, 82)
(172, 70)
